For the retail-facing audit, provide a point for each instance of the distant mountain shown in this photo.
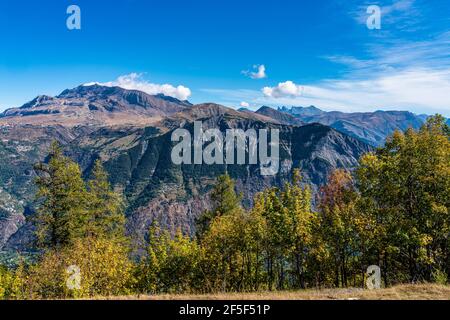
(370, 127)
(282, 117)
(302, 111)
(94, 105)
(137, 155)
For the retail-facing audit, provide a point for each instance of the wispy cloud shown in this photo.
(400, 54)
(411, 76)
(416, 90)
(404, 15)
(393, 73)
(259, 73)
(413, 89)
(135, 81)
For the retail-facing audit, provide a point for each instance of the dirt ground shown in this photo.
(402, 292)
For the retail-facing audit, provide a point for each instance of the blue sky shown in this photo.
(247, 52)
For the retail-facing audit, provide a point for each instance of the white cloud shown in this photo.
(398, 75)
(283, 90)
(244, 104)
(419, 90)
(134, 81)
(393, 72)
(259, 73)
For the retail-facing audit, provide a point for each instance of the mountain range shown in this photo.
(370, 127)
(130, 132)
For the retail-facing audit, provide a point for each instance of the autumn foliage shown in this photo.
(392, 211)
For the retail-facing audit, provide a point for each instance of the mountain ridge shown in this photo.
(282, 117)
(137, 156)
(94, 105)
(370, 127)
(130, 132)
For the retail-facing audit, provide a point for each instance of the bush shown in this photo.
(172, 264)
(12, 283)
(104, 270)
(440, 277)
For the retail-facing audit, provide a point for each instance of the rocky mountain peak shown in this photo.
(39, 100)
(95, 105)
(280, 116)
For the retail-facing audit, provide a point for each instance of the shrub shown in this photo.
(104, 270)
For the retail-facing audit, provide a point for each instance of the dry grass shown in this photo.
(402, 292)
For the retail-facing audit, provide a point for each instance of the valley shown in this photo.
(130, 132)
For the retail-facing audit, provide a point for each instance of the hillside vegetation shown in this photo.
(393, 211)
(95, 122)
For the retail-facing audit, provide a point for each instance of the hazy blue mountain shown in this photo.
(282, 117)
(370, 127)
(302, 111)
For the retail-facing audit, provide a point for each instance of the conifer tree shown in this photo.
(224, 201)
(62, 212)
(106, 207)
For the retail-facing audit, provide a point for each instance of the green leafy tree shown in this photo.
(407, 186)
(289, 222)
(341, 225)
(301, 219)
(233, 252)
(171, 265)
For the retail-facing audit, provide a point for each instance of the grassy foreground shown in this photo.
(401, 292)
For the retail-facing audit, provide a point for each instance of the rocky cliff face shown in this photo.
(11, 216)
(138, 157)
(177, 195)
